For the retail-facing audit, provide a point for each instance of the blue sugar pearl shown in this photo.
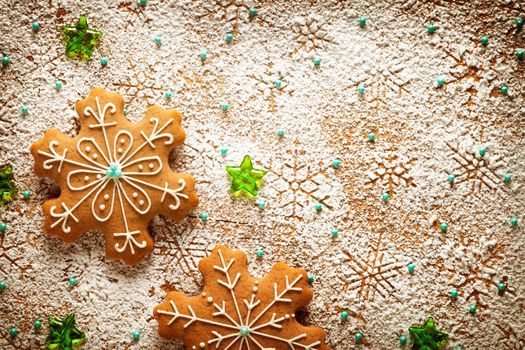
(504, 90)
(168, 94)
(3, 227)
(135, 335)
(358, 337)
(403, 339)
(224, 151)
(440, 82)
(125, 111)
(311, 279)
(157, 40)
(204, 216)
(278, 84)
(261, 204)
(24, 109)
(362, 21)
(3, 285)
(451, 178)
(5, 60)
(142, 2)
(229, 37)
(225, 106)
(58, 85)
(253, 11)
(454, 293)
(361, 89)
(72, 280)
(280, 132)
(472, 309)
(336, 163)
(344, 315)
(443, 226)
(259, 253)
(501, 287)
(484, 40)
(482, 151)
(385, 196)
(37, 324)
(514, 221)
(26, 194)
(317, 61)
(411, 267)
(507, 178)
(371, 137)
(334, 233)
(318, 206)
(103, 61)
(13, 332)
(35, 26)
(203, 55)
(431, 28)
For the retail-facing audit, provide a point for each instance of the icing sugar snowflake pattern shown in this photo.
(389, 172)
(114, 176)
(236, 311)
(310, 34)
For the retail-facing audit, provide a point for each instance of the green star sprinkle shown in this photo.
(80, 39)
(427, 337)
(64, 334)
(245, 178)
(8, 189)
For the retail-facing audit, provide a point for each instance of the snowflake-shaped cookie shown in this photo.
(114, 176)
(237, 311)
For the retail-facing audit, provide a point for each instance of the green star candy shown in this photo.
(245, 178)
(8, 189)
(64, 334)
(80, 39)
(427, 337)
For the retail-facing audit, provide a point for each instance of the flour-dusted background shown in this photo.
(423, 135)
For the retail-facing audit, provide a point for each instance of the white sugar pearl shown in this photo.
(256, 282)
(255, 289)
(102, 207)
(99, 176)
(122, 140)
(210, 300)
(135, 194)
(287, 316)
(95, 156)
(88, 149)
(203, 294)
(151, 165)
(141, 166)
(86, 178)
(120, 150)
(202, 345)
(106, 196)
(141, 202)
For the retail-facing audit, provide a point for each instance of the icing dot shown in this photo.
(210, 300)
(287, 316)
(120, 150)
(255, 289)
(151, 165)
(88, 149)
(141, 202)
(86, 178)
(293, 315)
(95, 156)
(202, 345)
(122, 140)
(135, 194)
(99, 176)
(102, 207)
(194, 347)
(203, 294)
(141, 166)
(106, 196)
(256, 282)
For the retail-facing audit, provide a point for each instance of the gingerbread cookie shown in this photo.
(114, 176)
(237, 311)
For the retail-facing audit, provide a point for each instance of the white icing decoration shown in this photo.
(230, 325)
(100, 187)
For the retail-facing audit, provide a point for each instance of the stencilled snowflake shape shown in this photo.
(271, 82)
(311, 34)
(479, 171)
(114, 176)
(390, 171)
(237, 311)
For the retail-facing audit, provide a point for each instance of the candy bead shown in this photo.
(103, 61)
(507, 178)
(385, 197)
(225, 106)
(37, 324)
(13, 332)
(520, 54)
(168, 94)
(261, 204)
(203, 55)
(142, 2)
(203, 216)
(5, 60)
(504, 90)
(280, 132)
(72, 281)
(317, 61)
(334, 233)
(519, 23)
(157, 40)
(26, 194)
(318, 206)
(440, 82)
(362, 21)
(451, 178)
(403, 339)
(501, 287)
(344, 315)
(358, 336)
(372, 137)
(411, 267)
(253, 11)
(336, 163)
(224, 151)
(58, 85)
(431, 28)
(24, 109)
(3, 227)
(135, 335)
(35, 26)
(454, 293)
(259, 253)
(3, 285)
(278, 84)
(484, 40)
(482, 151)
(229, 37)
(514, 221)
(443, 226)
(472, 309)
(361, 89)
(311, 279)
